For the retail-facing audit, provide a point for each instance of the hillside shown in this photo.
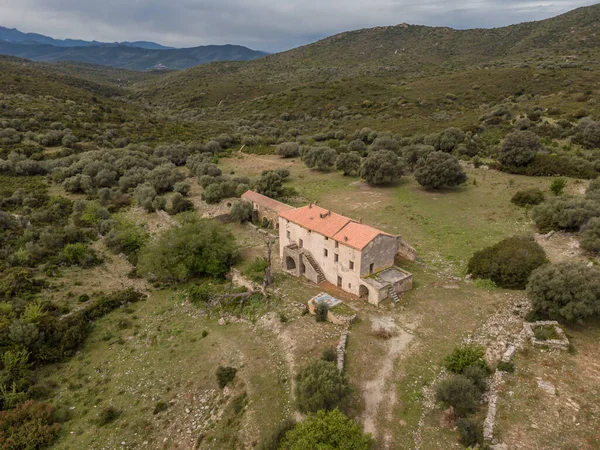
(389, 54)
(132, 58)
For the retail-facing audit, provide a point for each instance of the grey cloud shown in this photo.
(271, 25)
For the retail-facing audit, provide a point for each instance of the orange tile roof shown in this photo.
(265, 201)
(335, 226)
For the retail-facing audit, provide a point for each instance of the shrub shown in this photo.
(145, 194)
(558, 186)
(180, 204)
(589, 238)
(358, 146)
(225, 375)
(329, 354)
(565, 291)
(348, 163)
(593, 190)
(107, 415)
(459, 393)
(320, 386)
(270, 184)
(413, 153)
(327, 430)
(199, 248)
(506, 366)
(478, 376)
(320, 158)
(564, 213)
(385, 143)
(438, 170)
(288, 149)
(470, 433)
(465, 356)
(381, 167)
(321, 312)
(508, 263)
(213, 193)
(242, 211)
(182, 187)
(79, 254)
(128, 238)
(519, 148)
(528, 197)
(159, 407)
(30, 425)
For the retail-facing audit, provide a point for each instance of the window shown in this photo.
(337, 244)
(287, 233)
(326, 238)
(325, 252)
(335, 257)
(300, 243)
(371, 268)
(351, 265)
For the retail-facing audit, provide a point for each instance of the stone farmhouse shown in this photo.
(324, 246)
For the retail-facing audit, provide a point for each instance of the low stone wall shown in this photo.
(341, 350)
(562, 343)
(336, 319)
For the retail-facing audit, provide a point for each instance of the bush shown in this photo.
(320, 158)
(145, 194)
(506, 366)
(288, 149)
(213, 193)
(225, 375)
(593, 190)
(320, 386)
(381, 167)
(459, 393)
(589, 238)
(327, 430)
(79, 254)
(180, 204)
(470, 433)
(519, 148)
(183, 188)
(274, 440)
(528, 197)
(329, 354)
(30, 425)
(192, 250)
(558, 186)
(127, 237)
(348, 163)
(465, 356)
(508, 263)
(107, 415)
(321, 312)
(564, 213)
(565, 291)
(242, 211)
(478, 376)
(438, 170)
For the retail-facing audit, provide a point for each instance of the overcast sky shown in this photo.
(271, 25)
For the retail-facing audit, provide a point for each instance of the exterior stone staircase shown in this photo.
(390, 288)
(315, 266)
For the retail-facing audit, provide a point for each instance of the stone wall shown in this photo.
(341, 350)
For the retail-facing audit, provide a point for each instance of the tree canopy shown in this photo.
(381, 167)
(438, 170)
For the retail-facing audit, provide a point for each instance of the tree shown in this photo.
(288, 149)
(464, 357)
(327, 431)
(213, 193)
(385, 143)
(199, 248)
(459, 393)
(589, 238)
(180, 204)
(163, 178)
(358, 146)
(567, 290)
(320, 158)
(438, 170)
(348, 163)
(564, 213)
(183, 188)
(519, 148)
(320, 386)
(127, 237)
(381, 167)
(270, 184)
(450, 139)
(558, 186)
(593, 190)
(413, 153)
(242, 211)
(508, 263)
(145, 194)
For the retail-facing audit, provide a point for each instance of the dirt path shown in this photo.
(378, 395)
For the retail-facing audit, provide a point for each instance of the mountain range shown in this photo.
(139, 55)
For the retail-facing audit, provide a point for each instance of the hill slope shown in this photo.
(388, 53)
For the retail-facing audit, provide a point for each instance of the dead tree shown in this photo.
(268, 279)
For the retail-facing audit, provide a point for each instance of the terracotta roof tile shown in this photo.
(265, 201)
(335, 226)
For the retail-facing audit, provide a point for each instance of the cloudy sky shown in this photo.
(271, 25)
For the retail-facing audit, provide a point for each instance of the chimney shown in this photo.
(310, 206)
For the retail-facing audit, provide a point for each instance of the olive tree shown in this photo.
(381, 167)
(320, 386)
(589, 238)
(269, 184)
(519, 148)
(320, 158)
(288, 149)
(348, 163)
(438, 170)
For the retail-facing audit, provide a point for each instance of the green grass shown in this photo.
(162, 356)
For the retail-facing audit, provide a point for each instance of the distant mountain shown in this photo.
(18, 37)
(139, 55)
